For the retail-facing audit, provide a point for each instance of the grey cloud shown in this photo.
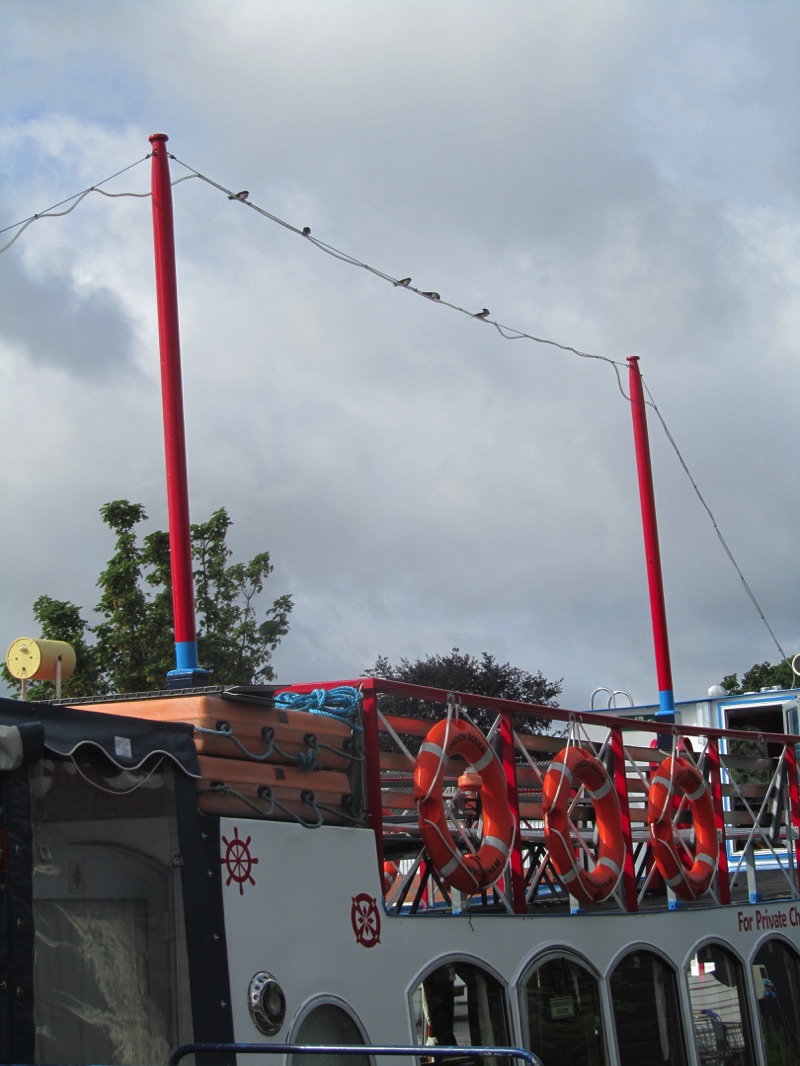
(419, 481)
(55, 326)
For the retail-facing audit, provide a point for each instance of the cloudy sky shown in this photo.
(621, 178)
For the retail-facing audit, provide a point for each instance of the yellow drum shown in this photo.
(30, 659)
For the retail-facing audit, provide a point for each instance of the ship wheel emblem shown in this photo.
(366, 920)
(238, 860)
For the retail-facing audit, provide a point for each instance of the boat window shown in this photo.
(776, 975)
(716, 991)
(328, 1023)
(108, 969)
(459, 1004)
(644, 995)
(561, 1012)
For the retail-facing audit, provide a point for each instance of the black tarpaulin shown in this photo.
(126, 742)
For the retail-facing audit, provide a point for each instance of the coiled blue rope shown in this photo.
(340, 703)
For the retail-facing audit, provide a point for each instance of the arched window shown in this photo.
(776, 975)
(561, 1013)
(647, 1021)
(716, 990)
(460, 1004)
(328, 1023)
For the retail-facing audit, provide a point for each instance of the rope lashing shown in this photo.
(265, 794)
(306, 760)
(224, 729)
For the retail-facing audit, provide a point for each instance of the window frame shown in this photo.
(549, 954)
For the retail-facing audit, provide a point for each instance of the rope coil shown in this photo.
(341, 703)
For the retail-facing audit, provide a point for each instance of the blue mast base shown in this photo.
(666, 706)
(196, 678)
(187, 673)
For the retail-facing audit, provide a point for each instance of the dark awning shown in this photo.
(126, 742)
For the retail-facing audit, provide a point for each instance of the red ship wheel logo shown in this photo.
(238, 860)
(366, 920)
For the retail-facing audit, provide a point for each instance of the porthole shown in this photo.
(328, 1022)
(267, 1003)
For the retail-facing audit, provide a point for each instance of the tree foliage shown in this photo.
(760, 675)
(133, 647)
(459, 671)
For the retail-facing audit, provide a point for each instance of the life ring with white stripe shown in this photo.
(678, 775)
(391, 872)
(448, 739)
(572, 767)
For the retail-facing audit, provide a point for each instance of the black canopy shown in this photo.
(126, 742)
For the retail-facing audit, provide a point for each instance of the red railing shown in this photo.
(755, 800)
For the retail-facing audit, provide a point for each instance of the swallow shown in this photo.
(432, 295)
(240, 195)
(404, 281)
(482, 314)
(306, 231)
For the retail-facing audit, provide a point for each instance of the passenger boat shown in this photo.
(278, 870)
(303, 865)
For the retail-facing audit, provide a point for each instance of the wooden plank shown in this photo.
(287, 785)
(540, 742)
(746, 762)
(397, 761)
(398, 801)
(415, 727)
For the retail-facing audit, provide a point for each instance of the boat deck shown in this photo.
(269, 753)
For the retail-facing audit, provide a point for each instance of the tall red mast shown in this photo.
(655, 583)
(187, 672)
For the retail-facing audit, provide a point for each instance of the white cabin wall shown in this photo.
(295, 922)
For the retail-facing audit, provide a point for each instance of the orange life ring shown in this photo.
(572, 767)
(390, 873)
(678, 774)
(451, 738)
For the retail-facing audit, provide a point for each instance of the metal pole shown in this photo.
(187, 672)
(658, 612)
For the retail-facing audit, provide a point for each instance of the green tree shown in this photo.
(230, 634)
(760, 675)
(134, 638)
(133, 647)
(460, 672)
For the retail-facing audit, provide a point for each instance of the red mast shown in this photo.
(652, 553)
(186, 672)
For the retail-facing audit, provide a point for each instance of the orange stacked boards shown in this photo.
(283, 793)
(259, 760)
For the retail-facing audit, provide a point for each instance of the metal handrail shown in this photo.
(433, 1051)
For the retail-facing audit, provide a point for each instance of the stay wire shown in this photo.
(723, 542)
(51, 212)
(508, 333)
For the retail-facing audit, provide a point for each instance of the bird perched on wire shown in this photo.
(482, 314)
(240, 195)
(306, 231)
(404, 281)
(432, 295)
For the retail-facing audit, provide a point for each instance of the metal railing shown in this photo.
(756, 802)
(411, 1050)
